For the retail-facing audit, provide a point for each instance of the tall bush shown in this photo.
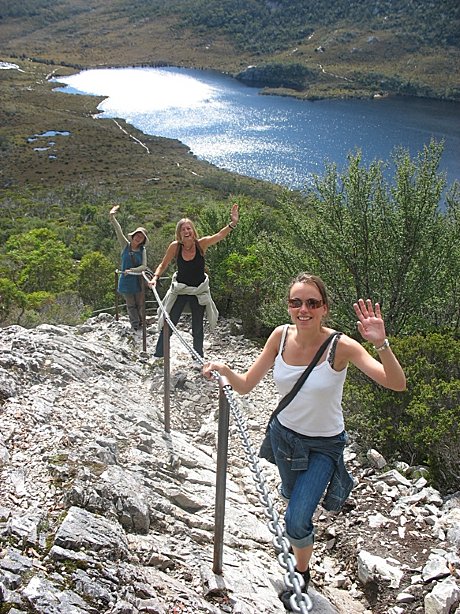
(40, 262)
(391, 241)
(419, 426)
(96, 285)
(241, 277)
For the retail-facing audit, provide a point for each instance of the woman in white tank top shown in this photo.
(308, 435)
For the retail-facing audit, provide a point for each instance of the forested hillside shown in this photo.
(271, 26)
(338, 48)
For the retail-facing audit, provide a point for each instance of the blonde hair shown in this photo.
(180, 223)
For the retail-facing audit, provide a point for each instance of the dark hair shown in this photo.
(314, 280)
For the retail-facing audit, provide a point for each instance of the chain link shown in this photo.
(299, 601)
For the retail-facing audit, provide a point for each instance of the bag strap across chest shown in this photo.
(300, 382)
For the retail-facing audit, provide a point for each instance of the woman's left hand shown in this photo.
(234, 214)
(370, 322)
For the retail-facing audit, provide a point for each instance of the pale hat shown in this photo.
(139, 229)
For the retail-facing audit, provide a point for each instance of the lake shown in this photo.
(279, 139)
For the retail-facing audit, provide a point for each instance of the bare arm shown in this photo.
(167, 258)
(205, 242)
(245, 382)
(387, 372)
(122, 240)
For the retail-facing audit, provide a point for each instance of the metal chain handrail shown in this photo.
(299, 601)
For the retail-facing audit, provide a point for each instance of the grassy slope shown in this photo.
(97, 153)
(102, 32)
(414, 42)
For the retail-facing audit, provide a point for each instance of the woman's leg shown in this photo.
(302, 557)
(197, 324)
(174, 314)
(132, 309)
(138, 297)
(309, 487)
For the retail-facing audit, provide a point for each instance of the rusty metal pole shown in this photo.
(221, 477)
(166, 376)
(116, 295)
(144, 324)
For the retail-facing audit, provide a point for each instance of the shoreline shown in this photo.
(266, 90)
(293, 179)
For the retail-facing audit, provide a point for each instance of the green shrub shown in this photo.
(41, 262)
(96, 284)
(12, 301)
(67, 308)
(420, 425)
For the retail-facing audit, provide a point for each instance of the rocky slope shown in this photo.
(102, 511)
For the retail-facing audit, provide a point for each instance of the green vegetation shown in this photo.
(419, 426)
(265, 27)
(287, 76)
(396, 241)
(408, 47)
(363, 234)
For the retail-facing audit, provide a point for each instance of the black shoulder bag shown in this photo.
(266, 450)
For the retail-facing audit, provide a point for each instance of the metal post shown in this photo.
(166, 376)
(221, 477)
(116, 296)
(144, 324)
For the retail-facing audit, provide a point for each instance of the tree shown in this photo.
(40, 262)
(393, 243)
(96, 280)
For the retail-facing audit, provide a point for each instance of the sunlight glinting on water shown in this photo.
(137, 90)
(277, 139)
(223, 146)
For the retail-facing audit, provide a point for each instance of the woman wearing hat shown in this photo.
(133, 260)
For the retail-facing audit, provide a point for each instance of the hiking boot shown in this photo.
(285, 596)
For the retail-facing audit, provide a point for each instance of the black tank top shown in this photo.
(190, 272)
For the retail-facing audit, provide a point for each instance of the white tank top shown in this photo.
(316, 410)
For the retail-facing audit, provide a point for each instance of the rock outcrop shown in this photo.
(102, 511)
(291, 76)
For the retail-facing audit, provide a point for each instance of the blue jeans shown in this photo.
(197, 321)
(306, 466)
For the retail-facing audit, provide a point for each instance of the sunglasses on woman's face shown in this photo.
(310, 303)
